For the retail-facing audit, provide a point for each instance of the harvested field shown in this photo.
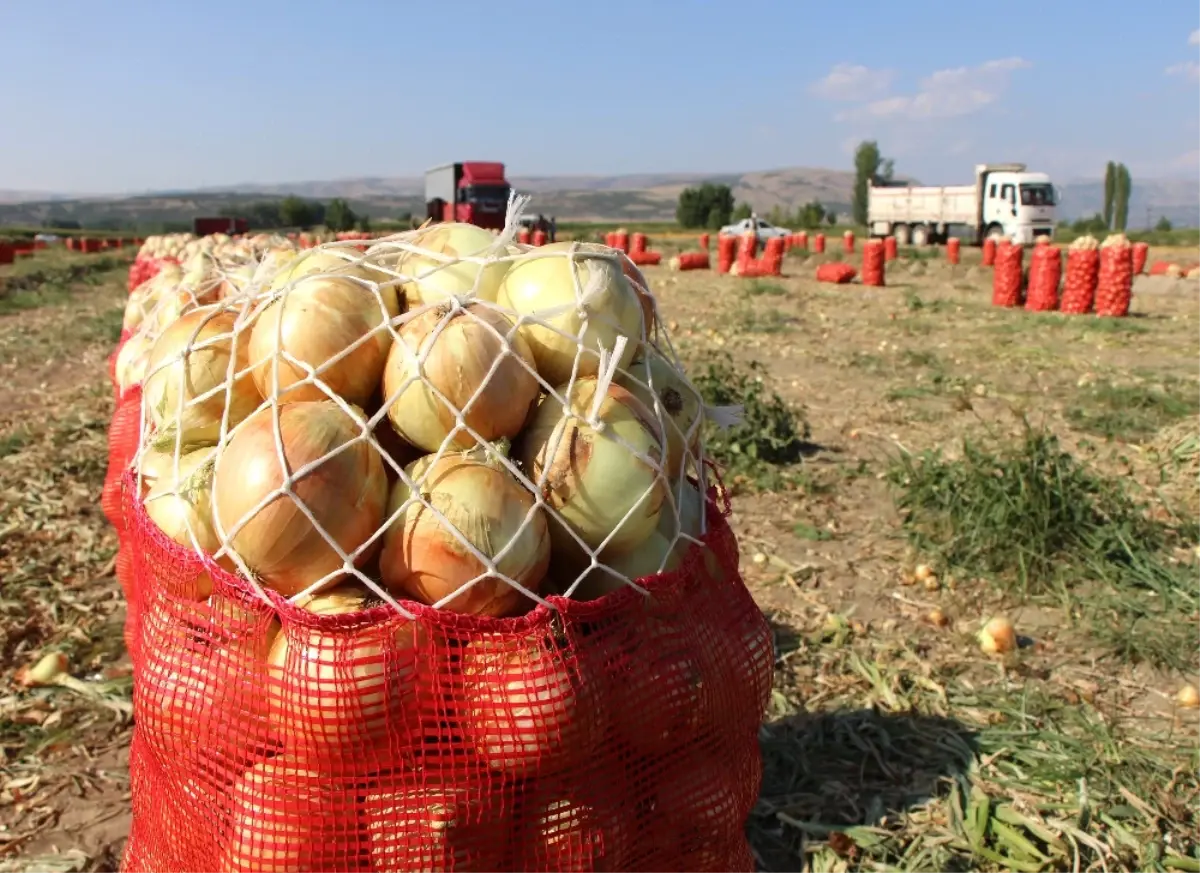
(1043, 467)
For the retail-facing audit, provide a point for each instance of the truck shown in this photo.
(231, 226)
(474, 192)
(1006, 201)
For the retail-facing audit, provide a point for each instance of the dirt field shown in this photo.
(893, 741)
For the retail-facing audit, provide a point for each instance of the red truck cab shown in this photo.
(474, 192)
(231, 226)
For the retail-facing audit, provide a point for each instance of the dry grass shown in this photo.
(892, 742)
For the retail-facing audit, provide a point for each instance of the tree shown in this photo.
(339, 216)
(1164, 225)
(870, 168)
(811, 215)
(297, 212)
(1124, 187)
(1110, 192)
(364, 223)
(743, 210)
(708, 206)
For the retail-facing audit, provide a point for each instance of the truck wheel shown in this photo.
(900, 232)
(920, 236)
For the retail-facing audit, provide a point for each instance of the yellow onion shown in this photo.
(589, 478)
(424, 561)
(998, 636)
(181, 507)
(179, 373)
(432, 279)
(343, 687)
(132, 360)
(320, 317)
(171, 304)
(435, 828)
(545, 280)
(346, 493)
(273, 262)
(561, 830)
(637, 279)
(335, 262)
(235, 281)
(681, 405)
(458, 362)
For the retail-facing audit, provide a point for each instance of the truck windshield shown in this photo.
(1037, 195)
(485, 193)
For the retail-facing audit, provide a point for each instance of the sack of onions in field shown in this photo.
(989, 252)
(689, 261)
(431, 575)
(1082, 274)
(836, 273)
(873, 263)
(1141, 251)
(1007, 275)
(1045, 271)
(1114, 285)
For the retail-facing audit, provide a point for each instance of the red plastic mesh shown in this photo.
(1114, 285)
(617, 734)
(144, 268)
(123, 433)
(889, 248)
(1006, 277)
(953, 253)
(1045, 270)
(989, 252)
(873, 261)
(837, 273)
(1141, 251)
(726, 252)
(1079, 285)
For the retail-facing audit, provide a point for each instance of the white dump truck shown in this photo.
(1005, 201)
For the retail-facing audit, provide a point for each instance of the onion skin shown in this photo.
(527, 713)
(321, 316)
(132, 360)
(433, 280)
(346, 494)
(637, 279)
(457, 363)
(181, 507)
(338, 691)
(199, 371)
(329, 262)
(681, 405)
(591, 481)
(538, 283)
(435, 828)
(559, 827)
(423, 561)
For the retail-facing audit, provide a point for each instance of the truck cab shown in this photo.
(475, 192)
(1016, 204)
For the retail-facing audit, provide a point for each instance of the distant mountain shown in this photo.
(637, 197)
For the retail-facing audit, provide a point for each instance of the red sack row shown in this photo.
(1079, 284)
(952, 250)
(645, 258)
(819, 244)
(1006, 278)
(989, 252)
(873, 263)
(726, 253)
(836, 273)
(1114, 286)
(1045, 270)
(889, 248)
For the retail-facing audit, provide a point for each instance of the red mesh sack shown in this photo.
(873, 263)
(1006, 278)
(703, 242)
(539, 238)
(123, 435)
(1140, 253)
(1114, 285)
(1163, 268)
(989, 252)
(848, 242)
(952, 250)
(772, 258)
(689, 261)
(837, 273)
(621, 240)
(376, 636)
(819, 244)
(889, 248)
(1082, 274)
(1045, 270)
(637, 243)
(726, 252)
(746, 251)
(800, 240)
(645, 258)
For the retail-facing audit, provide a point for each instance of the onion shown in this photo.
(637, 279)
(346, 493)
(667, 678)
(333, 262)
(527, 713)
(284, 820)
(436, 828)
(700, 801)
(273, 262)
(423, 560)
(132, 360)
(1188, 697)
(680, 403)
(545, 280)
(181, 507)
(341, 688)
(178, 374)
(563, 832)
(587, 476)
(432, 279)
(458, 362)
(322, 316)
(998, 637)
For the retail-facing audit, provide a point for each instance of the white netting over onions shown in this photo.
(446, 416)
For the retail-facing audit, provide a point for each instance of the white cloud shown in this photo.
(1188, 69)
(1194, 37)
(852, 83)
(945, 93)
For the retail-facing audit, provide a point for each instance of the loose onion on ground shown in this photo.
(458, 362)
(545, 280)
(187, 385)
(424, 561)
(322, 317)
(998, 637)
(587, 476)
(346, 493)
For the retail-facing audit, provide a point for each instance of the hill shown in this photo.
(638, 197)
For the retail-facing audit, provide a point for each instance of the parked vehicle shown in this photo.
(231, 226)
(764, 229)
(1005, 201)
(475, 192)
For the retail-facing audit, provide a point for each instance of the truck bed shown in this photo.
(949, 204)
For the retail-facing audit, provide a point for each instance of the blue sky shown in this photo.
(131, 95)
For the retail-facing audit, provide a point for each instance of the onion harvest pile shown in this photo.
(428, 572)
